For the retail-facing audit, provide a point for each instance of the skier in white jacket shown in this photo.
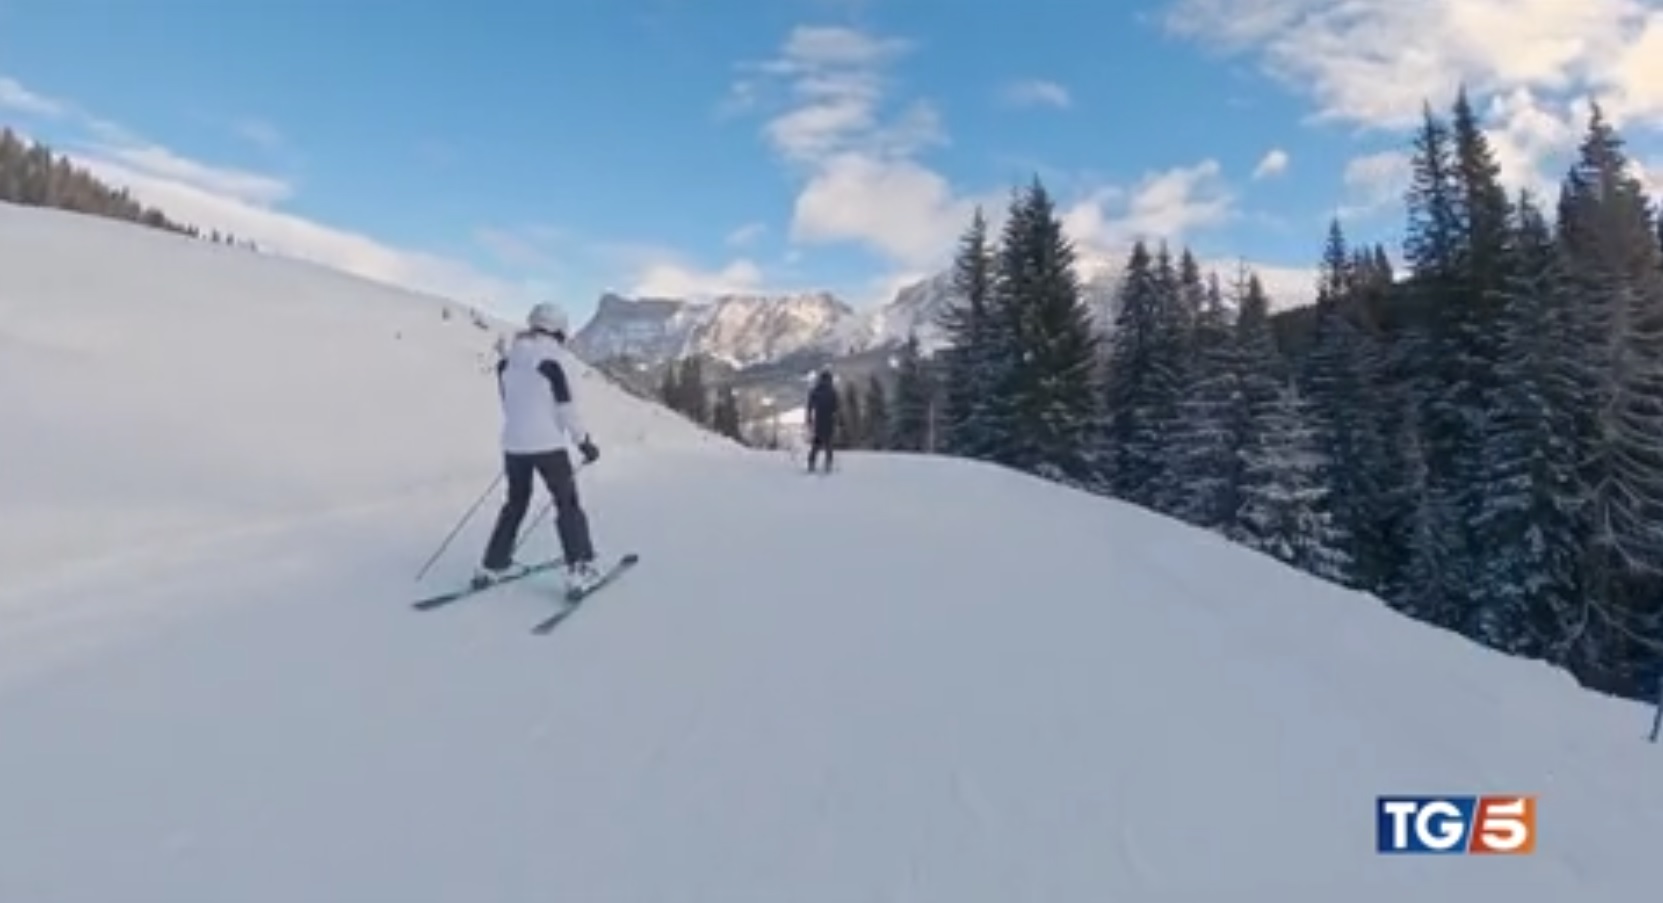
(541, 425)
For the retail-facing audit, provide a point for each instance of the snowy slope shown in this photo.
(916, 680)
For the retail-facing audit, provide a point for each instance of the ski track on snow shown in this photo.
(66, 611)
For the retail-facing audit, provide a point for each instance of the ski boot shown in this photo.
(485, 577)
(581, 577)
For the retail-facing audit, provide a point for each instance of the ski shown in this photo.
(575, 598)
(455, 595)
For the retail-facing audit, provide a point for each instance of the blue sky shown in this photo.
(506, 152)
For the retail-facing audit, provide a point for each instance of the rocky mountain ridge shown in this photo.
(773, 332)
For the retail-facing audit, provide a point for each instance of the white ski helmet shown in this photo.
(547, 316)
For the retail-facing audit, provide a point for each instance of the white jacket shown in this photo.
(539, 411)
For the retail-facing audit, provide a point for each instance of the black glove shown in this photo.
(590, 452)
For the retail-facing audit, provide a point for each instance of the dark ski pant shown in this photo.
(570, 521)
(820, 442)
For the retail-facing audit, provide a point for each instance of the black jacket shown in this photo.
(822, 408)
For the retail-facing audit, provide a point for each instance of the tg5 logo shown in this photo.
(1455, 824)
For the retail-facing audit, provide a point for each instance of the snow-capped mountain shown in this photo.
(741, 330)
(747, 330)
(914, 309)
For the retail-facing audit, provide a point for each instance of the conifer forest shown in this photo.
(1477, 439)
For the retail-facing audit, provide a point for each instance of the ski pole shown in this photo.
(459, 524)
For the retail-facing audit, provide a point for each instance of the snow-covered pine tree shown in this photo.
(1144, 380)
(1262, 376)
(1340, 396)
(1184, 294)
(1136, 375)
(1526, 597)
(1468, 330)
(1206, 449)
(1172, 333)
(966, 359)
(692, 392)
(909, 423)
(1044, 404)
(1283, 511)
(1425, 589)
(1617, 274)
(725, 417)
(853, 426)
(1442, 432)
(1192, 294)
(1373, 297)
(875, 405)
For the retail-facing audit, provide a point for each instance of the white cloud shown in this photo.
(659, 271)
(289, 235)
(15, 97)
(1169, 205)
(747, 235)
(1529, 133)
(246, 204)
(669, 279)
(260, 133)
(1528, 65)
(1036, 92)
(1274, 163)
(1375, 61)
(855, 150)
(1374, 182)
(858, 151)
(1286, 286)
(901, 208)
(1651, 174)
(527, 247)
(160, 163)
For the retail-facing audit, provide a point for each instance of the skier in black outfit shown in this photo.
(822, 419)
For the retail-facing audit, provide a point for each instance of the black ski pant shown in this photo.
(820, 442)
(570, 521)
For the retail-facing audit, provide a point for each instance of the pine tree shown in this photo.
(1617, 274)
(854, 423)
(909, 424)
(1192, 294)
(1528, 578)
(1283, 513)
(1466, 330)
(1432, 244)
(968, 370)
(1425, 584)
(1211, 426)
(1143, 384)
(1044, 401)
(1483, 211)
(669, 391)
(1439, 392)
(1132, 462)
(692, 395)
(1338, 390)
(877, 409)
(725, 418)
(1185, 294)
